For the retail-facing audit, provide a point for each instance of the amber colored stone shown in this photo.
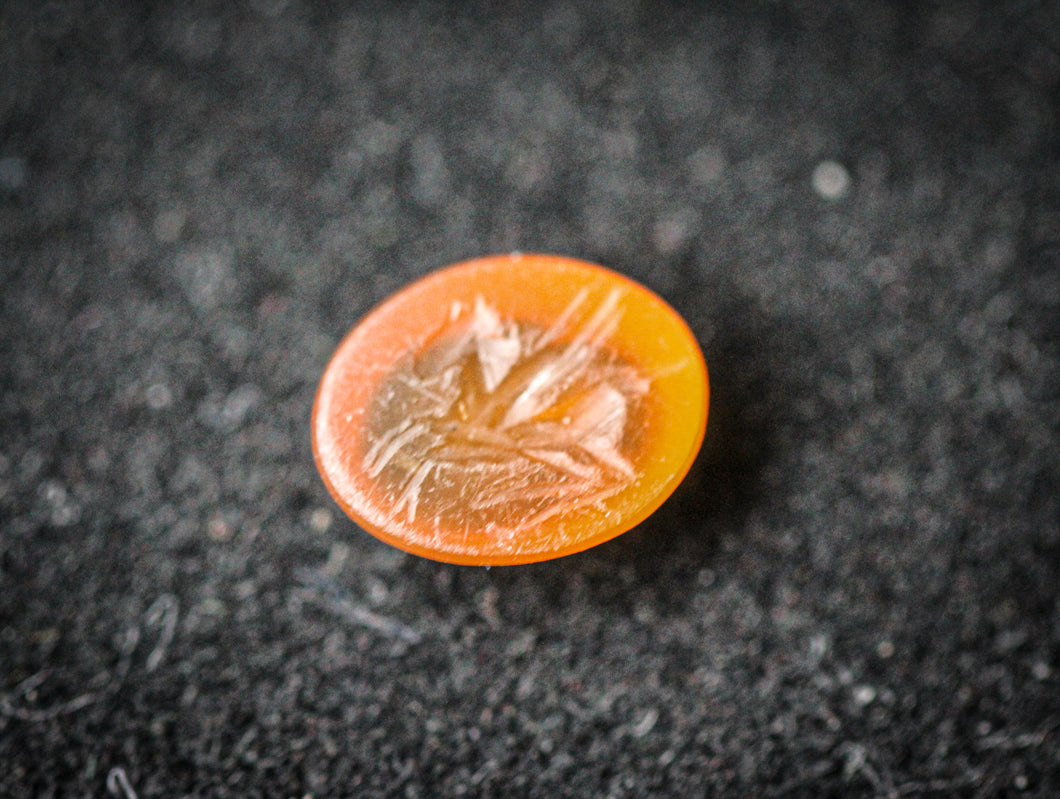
(510, 409)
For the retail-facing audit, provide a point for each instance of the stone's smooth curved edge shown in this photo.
(332, 456)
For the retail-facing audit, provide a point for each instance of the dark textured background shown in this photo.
(854, 593)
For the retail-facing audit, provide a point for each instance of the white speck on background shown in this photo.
(238, 404)
(205, 275)
(645, 725)
(320, 519)
(864, 695)
(63, 510)
(831, 180)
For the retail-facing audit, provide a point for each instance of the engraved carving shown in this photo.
(499, 424)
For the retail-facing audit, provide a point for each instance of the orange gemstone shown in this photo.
(510, 409)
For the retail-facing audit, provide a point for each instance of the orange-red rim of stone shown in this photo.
(535, 289)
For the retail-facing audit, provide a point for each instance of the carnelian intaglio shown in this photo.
(510, 409)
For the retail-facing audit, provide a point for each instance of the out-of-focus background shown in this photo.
(855, 205)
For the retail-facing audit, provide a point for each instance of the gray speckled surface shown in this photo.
(855, 591)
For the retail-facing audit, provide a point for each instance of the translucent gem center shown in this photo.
(500, 425)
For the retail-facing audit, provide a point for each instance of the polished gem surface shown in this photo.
(509, 409)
